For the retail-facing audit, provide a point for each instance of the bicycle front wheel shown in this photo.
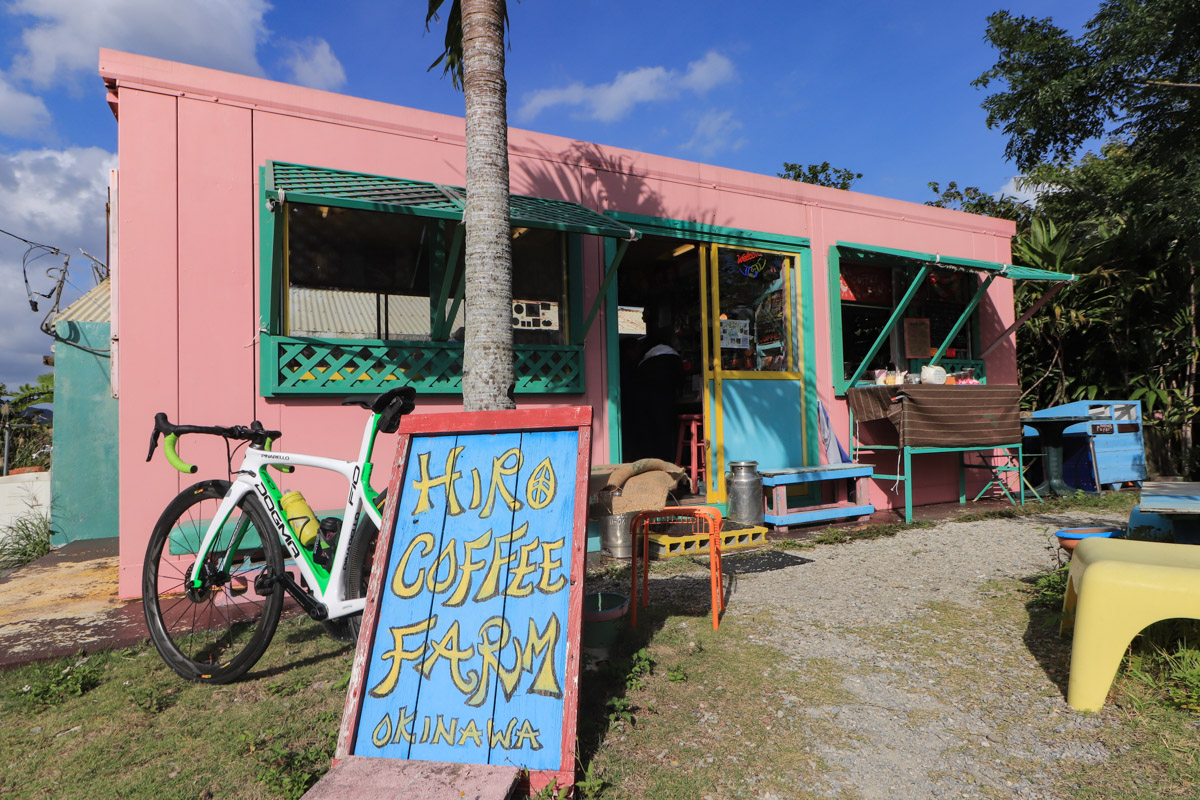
(213, 633)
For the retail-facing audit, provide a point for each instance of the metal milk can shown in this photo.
(745, 492)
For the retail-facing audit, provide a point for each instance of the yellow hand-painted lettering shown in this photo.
(446, 481)
(398, 655)
(505, 466)
(401, 586)
(541, 488)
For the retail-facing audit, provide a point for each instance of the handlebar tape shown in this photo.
(173, 457)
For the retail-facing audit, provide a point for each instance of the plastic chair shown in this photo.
(677, 520)
(1115, 588)
(1006, 473)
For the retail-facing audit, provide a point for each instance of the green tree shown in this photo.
(820, 174)
(974, 200)
(473, 55)
(27, 440)
(1130, 210)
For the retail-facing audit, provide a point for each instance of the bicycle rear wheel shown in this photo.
(216, 633)
(359, 561)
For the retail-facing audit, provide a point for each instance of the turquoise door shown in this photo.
(756, 405)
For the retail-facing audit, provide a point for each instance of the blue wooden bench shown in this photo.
(848, 482)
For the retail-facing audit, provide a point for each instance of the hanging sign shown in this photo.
(866, 284)
(469, 650)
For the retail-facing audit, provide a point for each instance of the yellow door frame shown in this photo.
(714, 374)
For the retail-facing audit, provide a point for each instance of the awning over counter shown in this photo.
(988, 270)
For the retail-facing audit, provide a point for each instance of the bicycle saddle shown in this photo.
(390, 406)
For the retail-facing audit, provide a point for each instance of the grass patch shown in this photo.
(1050, 588)
(121, 724)
(25, 539)
(1108, 502)
(53, 683)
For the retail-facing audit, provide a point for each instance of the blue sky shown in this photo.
(881, 88)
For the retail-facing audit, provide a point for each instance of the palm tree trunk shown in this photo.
(487, 352)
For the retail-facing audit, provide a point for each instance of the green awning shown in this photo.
(866, 254)
(295, 183)
(923, 262)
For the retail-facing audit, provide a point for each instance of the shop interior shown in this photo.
(660, 328)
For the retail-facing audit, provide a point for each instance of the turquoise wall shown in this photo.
(83, 481)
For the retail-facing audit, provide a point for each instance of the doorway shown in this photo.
(713, 333)
(659, 328)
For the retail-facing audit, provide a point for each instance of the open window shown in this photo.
(895, 309)
(363, 284)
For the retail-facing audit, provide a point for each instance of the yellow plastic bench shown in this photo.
(1116, 588)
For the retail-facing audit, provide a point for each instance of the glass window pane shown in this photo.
(869, 293)
(357, 274)
(753, 309)
(539, 286)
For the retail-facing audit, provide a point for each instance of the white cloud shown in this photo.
(312, 63)
(716, 131)
(609, 102)
(55, 197)
(21, 114)
(1026, 194)
(709, 72)
(63, 43)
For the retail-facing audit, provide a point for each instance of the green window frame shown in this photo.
(307, 366)
(922, 263)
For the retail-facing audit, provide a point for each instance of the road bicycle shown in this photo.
(219, 562)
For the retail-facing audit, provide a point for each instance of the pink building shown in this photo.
(279, 248)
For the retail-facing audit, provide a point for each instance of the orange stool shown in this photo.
(677, 520)
(691, 439)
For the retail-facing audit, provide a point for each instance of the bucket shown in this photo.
(603, 615)
(1069, 537)
(615, 538)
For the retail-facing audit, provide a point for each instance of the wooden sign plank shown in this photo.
(470, 644)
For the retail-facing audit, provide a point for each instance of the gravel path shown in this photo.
(942, 694)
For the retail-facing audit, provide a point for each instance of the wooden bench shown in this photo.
(849, 484)
(1115, 588)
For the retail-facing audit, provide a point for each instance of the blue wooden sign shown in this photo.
(470, 643)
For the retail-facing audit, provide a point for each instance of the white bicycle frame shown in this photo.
(327, 587)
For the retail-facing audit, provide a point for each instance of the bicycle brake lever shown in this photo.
(159, 419)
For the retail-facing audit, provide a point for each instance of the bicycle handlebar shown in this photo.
(389, 407)
(254, 434)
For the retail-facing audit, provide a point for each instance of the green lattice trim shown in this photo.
(354, 366)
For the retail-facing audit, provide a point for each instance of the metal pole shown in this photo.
(6, 433)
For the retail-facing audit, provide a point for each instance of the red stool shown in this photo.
(691, 439)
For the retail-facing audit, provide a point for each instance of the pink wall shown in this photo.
(191, 142)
